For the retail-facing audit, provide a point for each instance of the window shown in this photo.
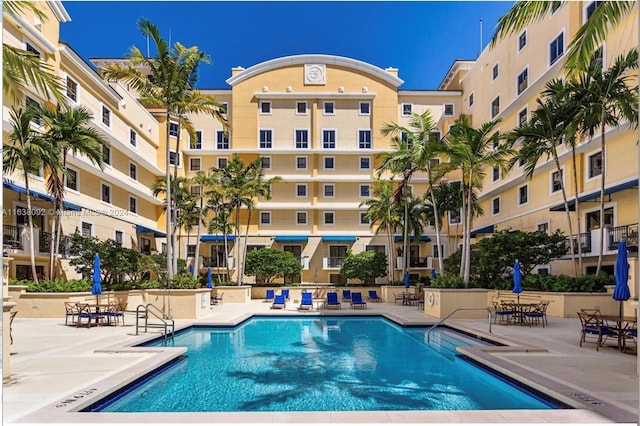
(106, 154)
(364, 191)
(495, 107)
(376, 248)
(197, 142)
(495, 71)
(265, 107)
(301, 218)
(329, 218)
(328, 139)
(265, 218)
(195, 164)
(495, 174)
(556, 181)
(543, 227)
(133, 204)
(555, 5)
(173, 130)
(191, 250)
(597, 60)
(105, 193)
(434, 136)
(302, 139)
(436, 251)
(145, 245)
(222, 140)
(365, 163)
(106, 116)
(133, 138)
(449, 110)
(433, 163)
(265, 163)
(593, 218)
(266, 138)
(523, 195)
(32, 49)
(133, 171)
(470, 100)
(174, 158)
(455, 217)
(301, 163)
(301, 108)
(224, 109)
(522, 40)
(522, 117)
(595, 165)
(71, 179)
(364, 220)
(406, 109)
(556, 49)
(32, 103)
(301, 190)
(365, 108)
(195, 190)
(72, 89)
(329, 163)
(119, 237)
(591, 8)
(329, 108)
(523, 80)
(364, 139)
(222, 163)
(86, 229)
(329, 190)
(495, 206)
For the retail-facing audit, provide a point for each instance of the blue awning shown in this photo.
(291, 238)
(338, 238)
(593, 195)
(144, 230)
(46, 197)
(424, 238)
(484, 230)
(209, 238)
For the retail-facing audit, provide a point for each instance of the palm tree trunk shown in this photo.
(463, 215)
(437, 225)
(577, 205)
(604, 162)
(237, 233)
(391, 257)
(467, 232)
(32, 245)
(169, 240)
(244, 250)
(196, 259)
(566, 208)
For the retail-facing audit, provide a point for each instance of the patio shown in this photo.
(51, 361)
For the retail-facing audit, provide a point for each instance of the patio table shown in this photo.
(621, 325)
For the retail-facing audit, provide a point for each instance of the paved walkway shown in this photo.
(51, 362)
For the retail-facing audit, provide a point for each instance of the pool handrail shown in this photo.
(164, 317)
(453, 312)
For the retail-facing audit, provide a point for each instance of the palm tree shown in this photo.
(383, 211)
(472, 150)
(606, 99)
(21, 69)
(221, 223)
(68, 130)
(164, 81)
(424, 149)
(589, 36)
(26, 152)
(207, 181)
(541, 136)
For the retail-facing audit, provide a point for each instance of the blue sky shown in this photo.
(422, 39)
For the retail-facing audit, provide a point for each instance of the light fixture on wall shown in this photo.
(288, 89)
(340, 89)
(265, 88)
(365, 90)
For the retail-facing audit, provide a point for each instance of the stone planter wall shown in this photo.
(439, 302)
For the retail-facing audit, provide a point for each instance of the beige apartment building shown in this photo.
(315, 121)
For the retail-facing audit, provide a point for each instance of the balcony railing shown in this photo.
(11, 237)
(333, 262)
(420, 262)
(44, 244)
(585, 242)
(627, 233)
(214, 262)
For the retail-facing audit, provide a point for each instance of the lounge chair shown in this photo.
(373, 296)
(307, 301)
(270, 295)
(346, 295)
(357, 302)
(285, 293)
(279, 302)
(594, 326)
(332, 301)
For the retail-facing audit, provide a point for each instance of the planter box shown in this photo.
(182, 304)
(439, 302)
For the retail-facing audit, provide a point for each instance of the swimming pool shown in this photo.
(318, 364)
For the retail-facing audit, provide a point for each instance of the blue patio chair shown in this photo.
(346, 295)
(285, 293)
(357, 302)
(503, 312)
(373, 296)
(332, 301)
(279, 302)
(269, 295)
(593, 326)
(629, 333)
(307, 301)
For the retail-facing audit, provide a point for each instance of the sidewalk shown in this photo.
(51, 361)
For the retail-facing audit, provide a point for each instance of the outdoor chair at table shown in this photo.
(71, 310)
(629, 334)
(620, 326)
(503, 312)
(398, 297)
(114, 314)
(534, 315)
(593, 326)
(88, 317)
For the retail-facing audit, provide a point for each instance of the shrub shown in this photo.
(184, 281)
(58, 286)
(448, 281)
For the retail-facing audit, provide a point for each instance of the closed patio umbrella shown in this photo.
(191, 269)
(96, 287)
(209, 278)
(621, 291)
(517, 279)
(407, 283)
(433, 273)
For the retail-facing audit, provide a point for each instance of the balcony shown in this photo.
(585, 242)
(333, 262)
(11, 237)
(421, 262)
(590, 241)
(214, 262)
(627, 233)
(44, 244)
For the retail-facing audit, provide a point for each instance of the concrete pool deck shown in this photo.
(54, 366)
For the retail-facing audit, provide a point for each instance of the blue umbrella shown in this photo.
(517, 280)
(621, 291)
(96, 287)
(191, 269)
(209, 278)
(433, 273)
(407, 283)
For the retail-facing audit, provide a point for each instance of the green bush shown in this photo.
(184, 281)
(58, 286)
(448, 281)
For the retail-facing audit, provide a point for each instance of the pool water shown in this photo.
(319, 364)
